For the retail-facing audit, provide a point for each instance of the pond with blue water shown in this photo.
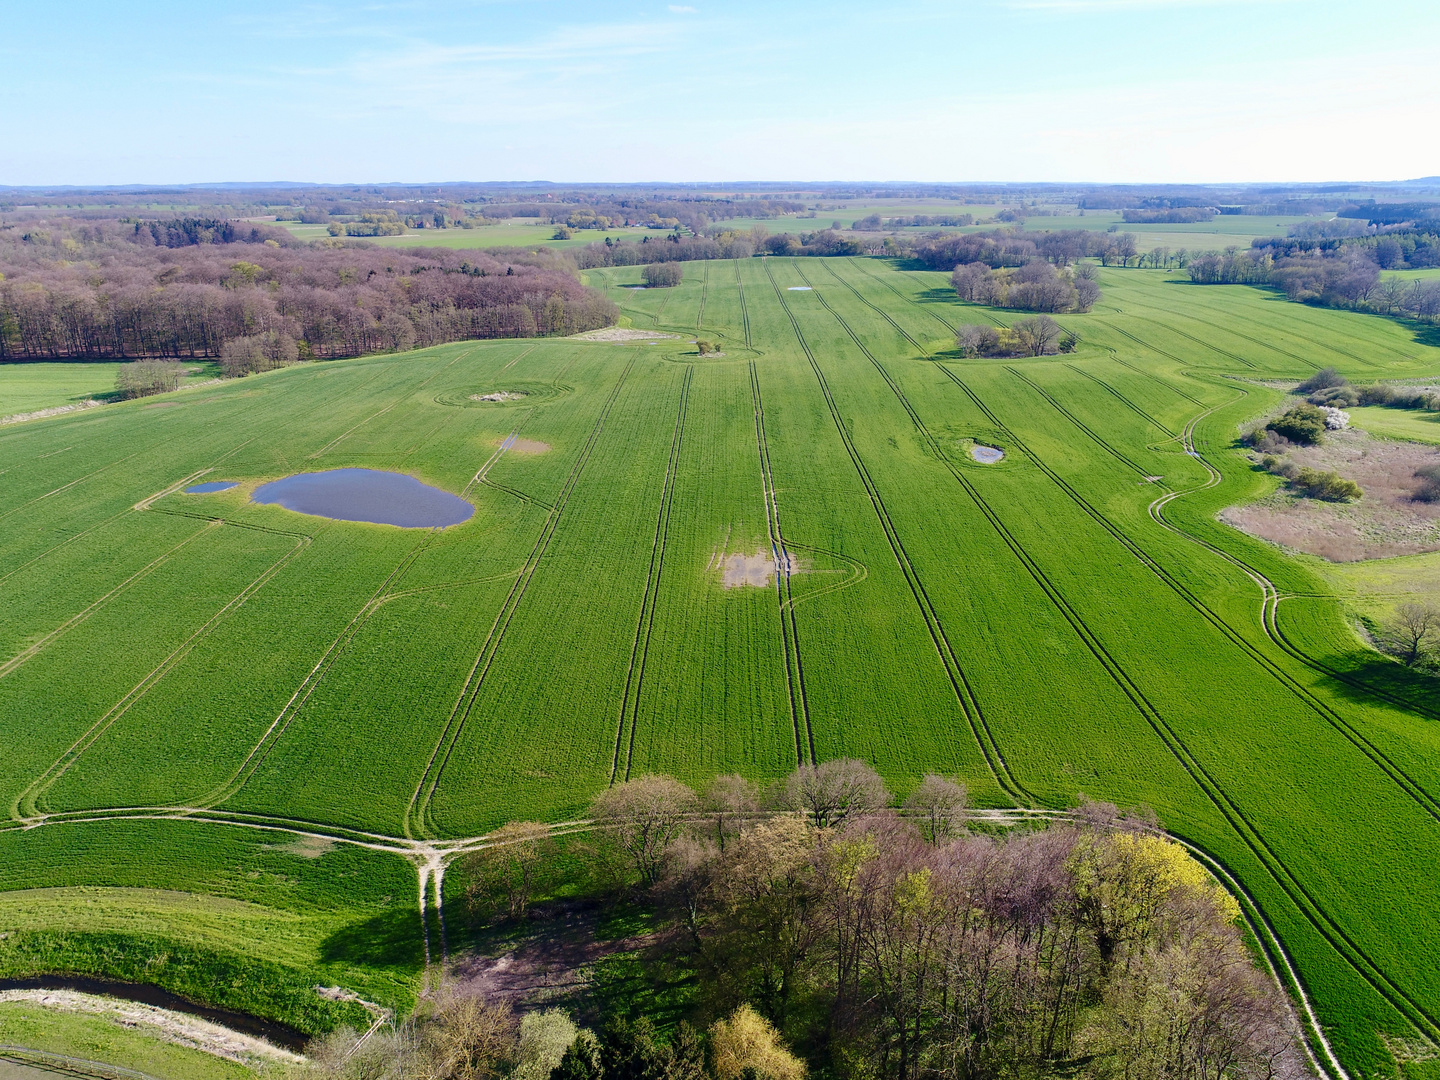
(382, 498)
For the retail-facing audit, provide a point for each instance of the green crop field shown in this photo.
(27, 388)
(246, 737)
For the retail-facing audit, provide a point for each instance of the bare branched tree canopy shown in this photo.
(834, 790)
(938, 806)
(645, 816)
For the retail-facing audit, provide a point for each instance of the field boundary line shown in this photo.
(417, 812)
(640, 648)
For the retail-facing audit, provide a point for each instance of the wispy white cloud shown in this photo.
(1083, 7)
(683, 9)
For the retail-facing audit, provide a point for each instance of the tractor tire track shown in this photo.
(417, 812)
(1090, 432)
(1123, 400)
(1341, 941)
(640, 648)
(779, 551)
(1343, 944)
(949, 661)
(27, 804)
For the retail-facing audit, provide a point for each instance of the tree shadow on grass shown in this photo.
(392, 940)
(1361, 677)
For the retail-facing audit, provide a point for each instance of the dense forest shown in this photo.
(181, 289)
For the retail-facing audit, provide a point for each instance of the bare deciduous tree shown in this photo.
(834, 790)
(729, 800)
(938, 805)
(1038, 334)
(645, 816)
(1414, 633)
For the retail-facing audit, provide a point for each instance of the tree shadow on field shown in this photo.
(393, 939)
(1360, 678)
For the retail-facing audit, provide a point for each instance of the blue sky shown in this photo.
(153, 91)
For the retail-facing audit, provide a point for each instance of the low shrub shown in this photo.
(1429, 487)
(1324, 379)
(1330, 486)
(145, 377)
(1304, 424)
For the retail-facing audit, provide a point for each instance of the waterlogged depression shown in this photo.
(382, 498)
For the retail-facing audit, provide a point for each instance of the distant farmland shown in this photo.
(1070, 620)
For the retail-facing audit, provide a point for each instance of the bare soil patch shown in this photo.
(621, 333)
(757, 570)
(553, 962)
(529, 446)
(1383, 524)
(499, 395)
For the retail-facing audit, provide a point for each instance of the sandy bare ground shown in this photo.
(498, 395)
(57, 410)
(529, 446)
(1385, 523)
(620, 333)
(172, 1027)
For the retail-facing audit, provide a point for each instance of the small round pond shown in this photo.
(383, 498)
(211, 485)
(986, 455)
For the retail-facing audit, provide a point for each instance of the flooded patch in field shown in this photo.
(798, 288)
(382, 498)
(986, 455)
(211, 485)
(757, 570)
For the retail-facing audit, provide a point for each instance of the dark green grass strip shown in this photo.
(418, 813)
(974, 714)
(640, 650)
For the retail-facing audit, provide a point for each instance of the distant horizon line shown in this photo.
(241, 185)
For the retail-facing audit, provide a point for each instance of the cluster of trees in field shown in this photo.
(107, 291)
(875, 223)
(1175, 215)
(1334, 272)
(725, 244)
(1014, 247)
(1039, 335)
(663, 275)
(883, 942)
(1034, 286)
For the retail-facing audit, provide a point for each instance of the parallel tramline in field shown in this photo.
(1072, 620)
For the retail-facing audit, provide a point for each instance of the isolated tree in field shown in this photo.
(938, 807)
(1038, 334)
(645, 816)
(508, 869)
(835, 790)
(1087, 291)
(663, 275)
(1415, 633)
